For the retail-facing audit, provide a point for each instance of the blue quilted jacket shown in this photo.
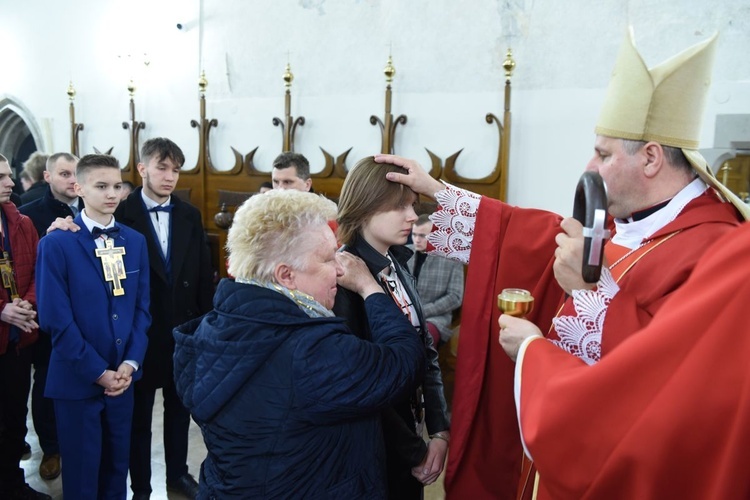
(289, 405)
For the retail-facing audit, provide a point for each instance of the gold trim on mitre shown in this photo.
(664, 104)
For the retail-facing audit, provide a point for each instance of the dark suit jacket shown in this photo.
(35, 192)
(183, 295)
(92, 330)
(43, 211)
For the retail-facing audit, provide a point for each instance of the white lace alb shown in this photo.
(581, 335)
(455, 221)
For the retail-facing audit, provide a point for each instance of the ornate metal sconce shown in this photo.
(388, 124)
(75, 128)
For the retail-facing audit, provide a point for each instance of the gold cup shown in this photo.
(515, 302)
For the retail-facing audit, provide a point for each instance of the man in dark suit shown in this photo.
(59, 200)
(181, 289)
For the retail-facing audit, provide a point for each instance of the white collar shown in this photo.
(151, 203)
(91, 223)
(632, 234)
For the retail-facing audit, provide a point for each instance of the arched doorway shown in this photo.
(19, 135)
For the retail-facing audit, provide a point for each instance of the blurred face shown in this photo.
(125, 192)
(100, 190)
(318, 278)
(623, 175)
(159, 178)
(62, 180)
(385, 229)
(419, 236)
(286, 178)
(6, 182)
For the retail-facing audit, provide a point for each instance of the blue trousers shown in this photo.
(94, 437)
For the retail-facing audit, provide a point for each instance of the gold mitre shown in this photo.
(663, 104)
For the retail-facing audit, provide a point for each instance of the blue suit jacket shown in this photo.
(91, 329)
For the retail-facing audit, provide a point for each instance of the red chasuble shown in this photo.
(511, 248)
(514, 248)
(667, 413)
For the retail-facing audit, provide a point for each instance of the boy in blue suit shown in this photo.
(93, 298)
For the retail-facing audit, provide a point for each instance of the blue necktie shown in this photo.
(161, 208)
(111, 232)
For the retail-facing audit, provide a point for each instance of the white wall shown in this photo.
(448, 56)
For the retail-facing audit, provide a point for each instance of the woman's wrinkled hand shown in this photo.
(356, 277)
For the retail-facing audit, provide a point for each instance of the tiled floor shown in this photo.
(195, 457)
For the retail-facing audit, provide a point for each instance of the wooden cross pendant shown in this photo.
(112, 265)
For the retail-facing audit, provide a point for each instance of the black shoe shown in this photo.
(25, 492)
(186, 486)
(141, 496)
(26, 451)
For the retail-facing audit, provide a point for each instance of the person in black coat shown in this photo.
(35, 168)
(59, 200)
(181, 289)
(375, 219)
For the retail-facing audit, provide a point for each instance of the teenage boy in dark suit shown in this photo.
(181, 289)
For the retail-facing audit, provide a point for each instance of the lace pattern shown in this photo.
(455, 221)
(581, 335)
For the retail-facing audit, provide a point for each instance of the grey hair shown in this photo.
(272, 228)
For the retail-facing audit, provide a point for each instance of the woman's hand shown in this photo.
(357, 276)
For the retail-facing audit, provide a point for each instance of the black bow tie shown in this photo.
(111, 232)
(161, 208)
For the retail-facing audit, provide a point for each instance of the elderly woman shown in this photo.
(287, 398)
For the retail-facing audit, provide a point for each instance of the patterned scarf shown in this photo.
(305, 302)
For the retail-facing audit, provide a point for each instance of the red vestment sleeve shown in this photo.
(511, 248)
(667, 413)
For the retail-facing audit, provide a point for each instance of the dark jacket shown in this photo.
(403, 444)
(43, 211)
(288, 404)
(34, 192)
(23, 241)
(178, 296)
